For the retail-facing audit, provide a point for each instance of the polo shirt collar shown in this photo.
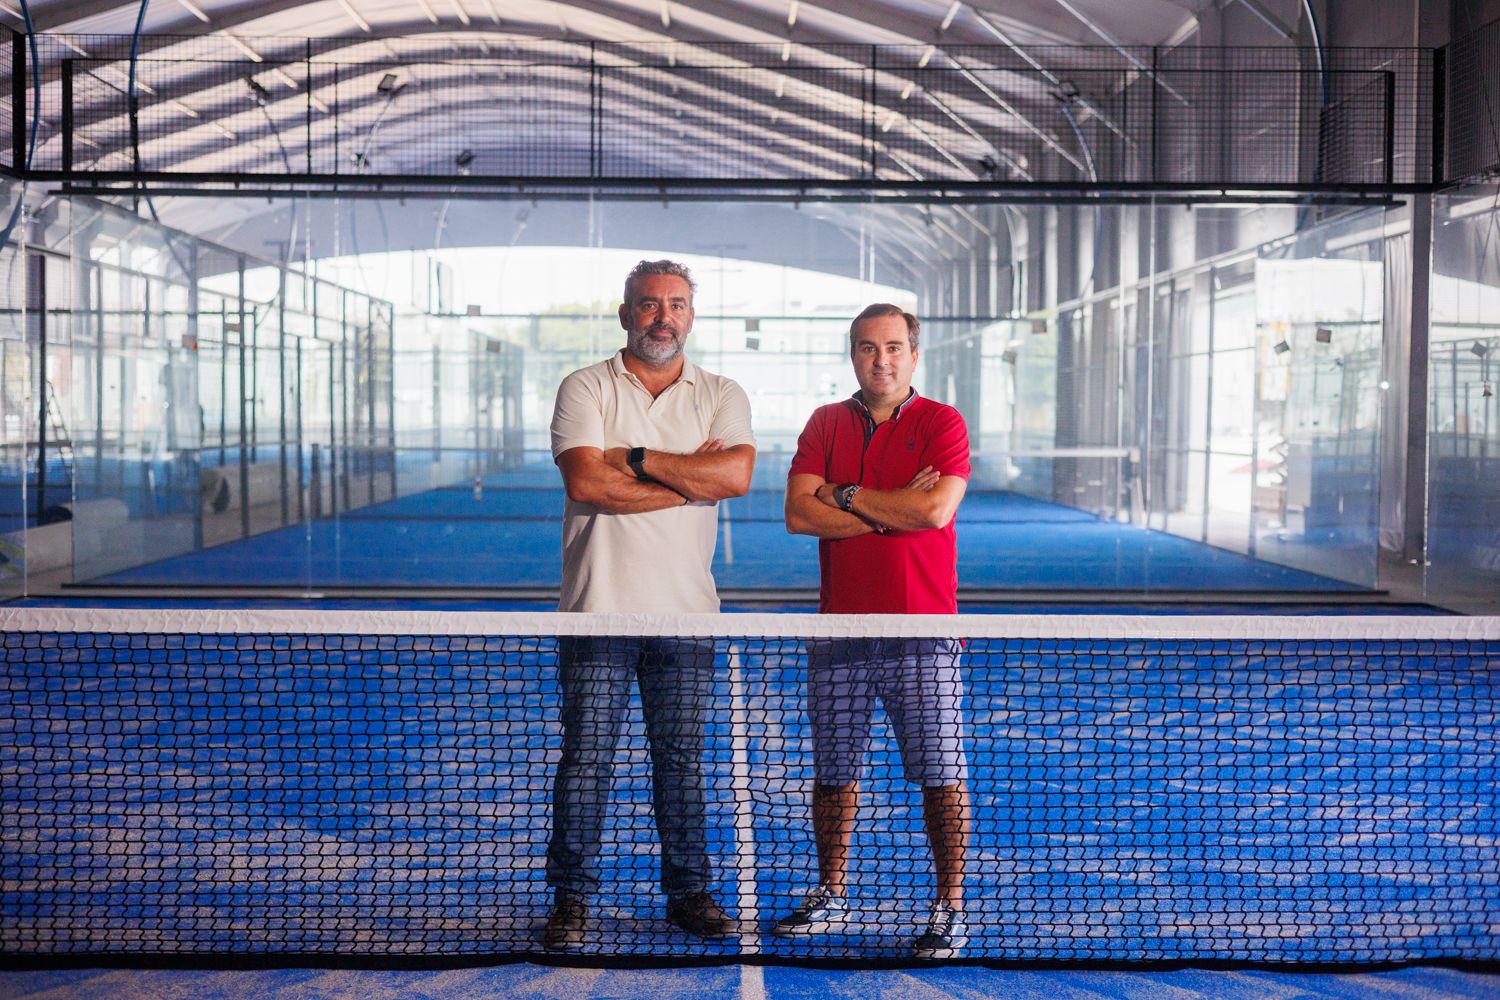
(859, 399)
(689, 370)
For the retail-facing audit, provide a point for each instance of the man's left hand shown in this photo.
(615, 458)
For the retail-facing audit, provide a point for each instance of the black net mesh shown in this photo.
(1133, 799)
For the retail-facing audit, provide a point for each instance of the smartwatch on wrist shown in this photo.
(844, 496)
(636, 459)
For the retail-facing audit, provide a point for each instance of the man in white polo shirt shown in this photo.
(647, 444)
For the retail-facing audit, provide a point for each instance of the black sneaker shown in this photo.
(820, 909)
(700, 916)
(566, 923)
(945, 937)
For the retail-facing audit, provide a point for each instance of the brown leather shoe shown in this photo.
(566, 923)
(700, 916)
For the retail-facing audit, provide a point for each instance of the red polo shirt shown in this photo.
(903, 572)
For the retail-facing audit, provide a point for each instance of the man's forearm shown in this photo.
(716, 475)
(617, 493)
(903, 509)
(807, 515)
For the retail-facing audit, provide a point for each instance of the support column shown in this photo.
(1414, 505)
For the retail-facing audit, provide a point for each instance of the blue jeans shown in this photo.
(676, 679)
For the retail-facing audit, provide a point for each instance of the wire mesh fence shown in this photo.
(470, 108)
(1473, 105)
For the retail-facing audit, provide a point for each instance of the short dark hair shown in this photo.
(879, 309)
(668, 267)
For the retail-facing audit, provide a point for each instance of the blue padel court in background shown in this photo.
(507, 534)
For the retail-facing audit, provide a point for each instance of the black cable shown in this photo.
(36, 117)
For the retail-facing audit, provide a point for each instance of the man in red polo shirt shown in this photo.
(878, 479)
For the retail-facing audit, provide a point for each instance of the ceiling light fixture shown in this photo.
(353, 16)
(194, 10)
(240, 44)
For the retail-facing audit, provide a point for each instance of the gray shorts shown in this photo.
(919, 684)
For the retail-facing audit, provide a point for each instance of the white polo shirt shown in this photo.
(660, 561)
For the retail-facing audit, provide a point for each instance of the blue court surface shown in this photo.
(533, 982)
(509, 535)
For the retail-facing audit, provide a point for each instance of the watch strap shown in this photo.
(636, 459)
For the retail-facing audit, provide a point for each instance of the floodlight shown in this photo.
(387, 84)
(1487, 392)
(462, 160)
(752, 325)
(752, 343)
(988, 165)
(1324, 335)
(1479, 350)
(473, 310)
(1009, 357)
(1038, 326)
(1281, 347)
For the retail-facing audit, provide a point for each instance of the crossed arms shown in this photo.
(601, 478)
(929, 501)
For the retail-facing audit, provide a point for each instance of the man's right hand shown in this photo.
(924, 480)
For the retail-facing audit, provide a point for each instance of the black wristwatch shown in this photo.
(844, 496)
(636, 459)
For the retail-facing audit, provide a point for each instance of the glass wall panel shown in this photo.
(1463, 452)
(1319, 308)
(18, 411)
(1231, 399)
(175, 427)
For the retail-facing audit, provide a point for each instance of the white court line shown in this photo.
(751, 982)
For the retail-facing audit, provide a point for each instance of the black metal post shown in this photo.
(67, 117)
(1155, 116)
(193, 332)
(873, 125)
(309, 87)
(301, 484)
(244, 416)
(18, 100)
(1439, 115)
(281, 386)
(596, 115)
(38, 282)
(1390, 127)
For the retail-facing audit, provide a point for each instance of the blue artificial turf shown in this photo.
(511, 537)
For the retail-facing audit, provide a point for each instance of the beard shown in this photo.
(653, 350)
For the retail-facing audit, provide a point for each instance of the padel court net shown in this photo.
(380, 784)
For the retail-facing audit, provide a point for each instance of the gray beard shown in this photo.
(653, 352)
